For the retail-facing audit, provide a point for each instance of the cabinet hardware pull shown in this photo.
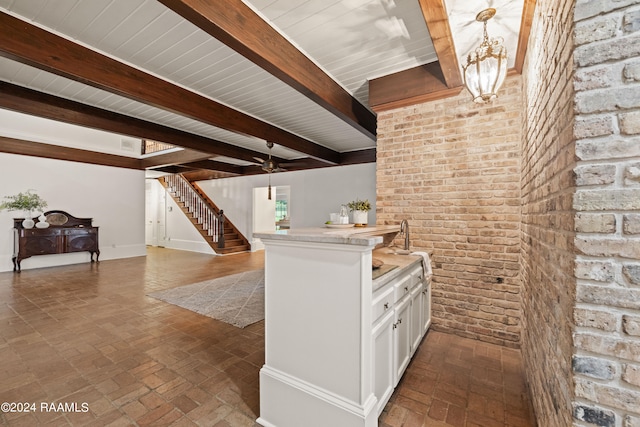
(400, 320)
(386, 306)
(395, 326)
(406, 289)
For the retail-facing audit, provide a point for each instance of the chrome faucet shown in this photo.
(404, 229)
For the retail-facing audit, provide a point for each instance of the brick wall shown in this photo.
(451, 167)
(548, 160)
(606, 363)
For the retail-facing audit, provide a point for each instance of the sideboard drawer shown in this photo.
(40, 232)
(80, 231)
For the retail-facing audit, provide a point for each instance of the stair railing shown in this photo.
(211, 221)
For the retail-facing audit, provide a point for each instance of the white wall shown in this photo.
(314, 194)
(113, 197)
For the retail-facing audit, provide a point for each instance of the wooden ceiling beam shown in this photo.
(28, 101)
(49, 151)
(437, 20)
(212, 165)
(413, 86)
(31, 45)
(358, 156)
(525, 29)
(239, 27)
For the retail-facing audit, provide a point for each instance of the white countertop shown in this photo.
(363, 236)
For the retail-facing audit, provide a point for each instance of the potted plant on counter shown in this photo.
(28, 202)
(360, 209)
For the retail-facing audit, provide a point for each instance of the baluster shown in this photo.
(209, 220)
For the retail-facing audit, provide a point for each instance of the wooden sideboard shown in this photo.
(65, 234)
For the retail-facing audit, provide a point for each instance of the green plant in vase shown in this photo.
(360, 209)
(28, 202)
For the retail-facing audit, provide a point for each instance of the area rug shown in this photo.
(237, 299)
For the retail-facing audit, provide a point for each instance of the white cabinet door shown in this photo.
(416, 317)
(425, 296)
(401, 337)
(383, 367)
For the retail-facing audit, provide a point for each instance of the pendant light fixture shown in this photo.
(486, 66)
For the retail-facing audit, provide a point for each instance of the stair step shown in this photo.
(233, 243)
(228, 250)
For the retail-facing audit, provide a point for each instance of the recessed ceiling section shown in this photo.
(467, 32)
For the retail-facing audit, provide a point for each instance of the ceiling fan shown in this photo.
(269, 166)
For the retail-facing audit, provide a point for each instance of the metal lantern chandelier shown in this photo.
(486, 66)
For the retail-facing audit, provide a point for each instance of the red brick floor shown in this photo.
(88, 334)
(454, 381)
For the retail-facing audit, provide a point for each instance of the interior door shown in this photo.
(149, 213)
(155, 213)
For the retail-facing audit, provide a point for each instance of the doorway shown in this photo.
(155, 213)
(270, 214)
(283, 217)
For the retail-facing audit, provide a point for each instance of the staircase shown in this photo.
(219, 233)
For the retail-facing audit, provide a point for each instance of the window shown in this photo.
(281, 209)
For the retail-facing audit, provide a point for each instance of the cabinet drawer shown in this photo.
(403, 287)
(417, 274)
(382, 302)
(78, 231)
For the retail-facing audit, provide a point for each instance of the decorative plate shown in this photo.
(57, 219)
(339, 225)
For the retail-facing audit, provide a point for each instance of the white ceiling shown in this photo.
(352, 40)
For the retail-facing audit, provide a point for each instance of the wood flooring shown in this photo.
(83, 345)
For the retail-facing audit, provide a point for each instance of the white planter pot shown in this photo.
(28, 222)
(360, 217)
(42, 222)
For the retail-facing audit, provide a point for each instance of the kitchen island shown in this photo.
(336, 341)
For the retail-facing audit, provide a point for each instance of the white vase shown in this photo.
(360, 217)
(28, 222)
(42, 222)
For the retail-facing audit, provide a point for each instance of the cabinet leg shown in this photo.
(16, 264)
